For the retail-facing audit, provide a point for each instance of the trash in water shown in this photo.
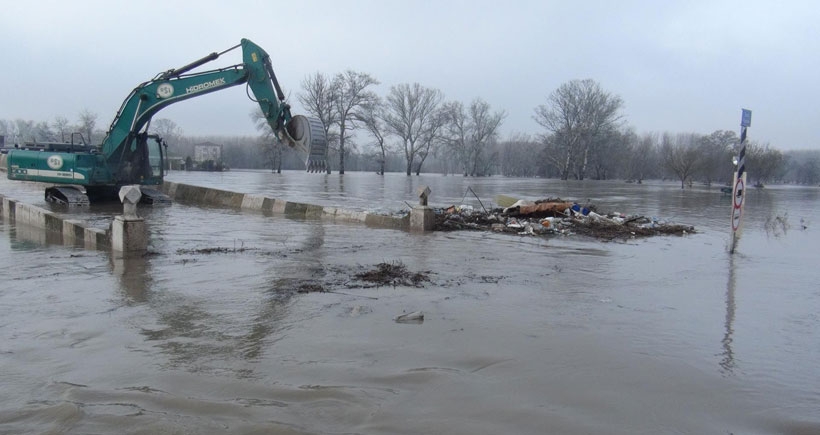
(414, 317)
(555, 216)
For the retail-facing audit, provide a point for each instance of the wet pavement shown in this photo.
(521, 334)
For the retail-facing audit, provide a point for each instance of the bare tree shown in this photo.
(716, 151)
(413, 115)
(61, 127)
(763, 163)
(643, 160)
(269, 144)
(87, 124)
(520, 156)
(456, 133)
(470, 132)
(166, 129)
(577, 114)
(483, 129)
(23, 130)
(371, 116)
(432, 139)
(351, 94)
(681, 155)
(42, 132)
(808, 171)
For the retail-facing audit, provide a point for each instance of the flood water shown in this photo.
(521, 334)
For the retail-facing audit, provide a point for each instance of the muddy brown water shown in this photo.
(521, 334)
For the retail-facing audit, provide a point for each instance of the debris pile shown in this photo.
(393, 274)
(555, 216)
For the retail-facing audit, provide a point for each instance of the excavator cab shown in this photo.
(156, 157)
(142, 162)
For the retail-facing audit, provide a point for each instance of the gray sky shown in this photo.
(686, 66)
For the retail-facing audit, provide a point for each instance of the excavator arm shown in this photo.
(175, 85)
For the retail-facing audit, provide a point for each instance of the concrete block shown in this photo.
(37, 217)
(22, 214)
(295, 208)
(222, 198)
(54, 224)
(9, 209)
(188, 193)
(382, 221)
(422, 218)
(73, 232)
(279, 206)
(314, 211)
(128, 234)
(130, 197)
(95, 238)
(351, 216)
(268, 204)
(253, 202)
(169, 188)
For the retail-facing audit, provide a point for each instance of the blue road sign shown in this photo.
(746, 118)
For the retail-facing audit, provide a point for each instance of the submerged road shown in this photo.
(521, 334)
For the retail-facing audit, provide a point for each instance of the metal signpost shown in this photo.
(739, 189)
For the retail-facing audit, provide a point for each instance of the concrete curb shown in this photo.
(57, 229)
(222, 198)
(77, 233)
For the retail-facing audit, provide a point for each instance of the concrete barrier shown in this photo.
(51, 228)
(253, 202)
(382, 221)
(95, 238)
(73, 233)
(9, 209)
(221, 198)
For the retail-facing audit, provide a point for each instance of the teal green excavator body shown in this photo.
(129, 155)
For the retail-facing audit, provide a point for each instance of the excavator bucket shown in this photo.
(308, 134)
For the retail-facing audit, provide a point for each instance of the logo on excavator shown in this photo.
(204, 86)
(54, 162)
(165, 90)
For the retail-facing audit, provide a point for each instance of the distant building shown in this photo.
(207, 151)
(207, 157)
(2, 141)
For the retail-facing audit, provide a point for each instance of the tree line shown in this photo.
(414, 129)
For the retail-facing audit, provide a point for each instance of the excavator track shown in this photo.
(72, 196)
(153, 196)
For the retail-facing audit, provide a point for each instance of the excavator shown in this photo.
(128, 155)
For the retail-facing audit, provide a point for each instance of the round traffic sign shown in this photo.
(739, 186)
(736, 212)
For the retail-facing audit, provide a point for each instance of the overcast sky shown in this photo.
(687, 66)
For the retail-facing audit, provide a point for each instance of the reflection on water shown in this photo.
(195, 332)
(134, 275)
(521, 334)
(728, 361)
